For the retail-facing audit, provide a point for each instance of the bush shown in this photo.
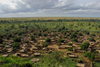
(89, 55)
(32, 38)
(17, 39)
(85, 45)
(87, 33)
(73, 35)
(92, 35)
(27, 41)
(91, 39)
(60, 40)
(70, 49)
(79, 34)
(9, 35)
(39, 34)
(1, 40)
(48, 40)
(45, 44)
(16, 45)
(26, 65)
(45, 35)
(70, 44)
(34, 33)
(74, 39)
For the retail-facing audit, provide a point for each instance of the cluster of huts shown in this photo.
(33, 48)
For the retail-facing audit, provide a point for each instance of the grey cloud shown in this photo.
(50, 7)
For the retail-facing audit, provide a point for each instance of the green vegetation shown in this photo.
(1, 40)
(85, 45)
(44, 35)
(70, 49)
(48, 40)
(74, 39)
(70, 44)
(55, 59)
(32, 38)
(89, 55)
(14, 61)
(91, 39)
(45, 44)
(16, 45)
(17, 39)
(27, 41)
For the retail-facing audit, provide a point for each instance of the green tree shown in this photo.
(1, 40)
(16, 45)
(48, 40)
(85, 45)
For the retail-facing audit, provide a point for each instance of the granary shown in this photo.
(5, 55)
(7, 46)
(33, 48)
(1, 45)
(39, 46)
(44, 48)
(98, 49)
(73, 56)
(76, 49)
(69, 53)
(61, 47)
(37, 54)
(35, 60)
(11, 41)
(23, 50)
(17, 54)
(24, 55)
(64, 47)
(9, 50)
(31, 42)
(80, 64)
(50, 48)
(41, 40)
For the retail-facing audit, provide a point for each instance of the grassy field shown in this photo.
(15, 24)
(50, 60)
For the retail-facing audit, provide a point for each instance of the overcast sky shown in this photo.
(49, 8)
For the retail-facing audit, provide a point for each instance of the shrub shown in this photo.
(87, 33)
(26, 65)
(91, 39)
(89, 55)
(73, 35)
(45, 35)
(48, 40)
(17, 39)
(9, 35)
(34, 33)
(79, 34)
(92, 35)
(39, 34)
(1, 36)
(74, 39)
(60, 40)
(45, 44)
(85, 45)
(70, 44)
(16, 45)
(1, 40)
(32, 38)
(70, 49)
(27, 41)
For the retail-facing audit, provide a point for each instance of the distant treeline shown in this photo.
(58, 20)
